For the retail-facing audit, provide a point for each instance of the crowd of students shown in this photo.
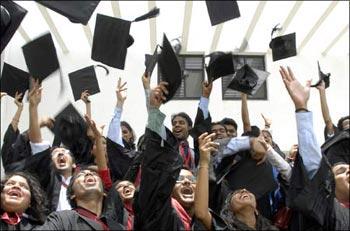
(85, 181)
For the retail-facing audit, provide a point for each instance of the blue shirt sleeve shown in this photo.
(203, 105)
(309, 149)
(114, 130)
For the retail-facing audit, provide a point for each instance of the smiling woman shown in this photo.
(22, 202)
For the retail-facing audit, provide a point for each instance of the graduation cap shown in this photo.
(84, 79)
(222, 11)
(220, 64)
(283, 46)
(41, 57)
(151, 61)
(75, 11)
(170, 68)
(69, 126)
(248, 80)
(14, 79)
(11, 17)
(111, 39)
(322, 76)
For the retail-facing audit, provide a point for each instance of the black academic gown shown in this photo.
(337, 148)
(313, 201)
(119, 159)
(72, 220)
(26, 223)
(15, 148)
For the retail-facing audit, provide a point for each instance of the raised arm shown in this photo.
(146, 82)
(34, 132)
(114, 130)
(201, 201)
(309, 149)
(245, 113)
(325, 110)
(85, 98)
(17, 116)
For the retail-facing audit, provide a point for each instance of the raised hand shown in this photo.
(298, 93)
(157, 96)
(35, 93)
(268, 121)
(47, 122)
(206, 89)
(92, 125)
(85, 96)
(18, 97)
(146, 81)
(119, 92)
(321, 86)
(206, 146)
(258, 149)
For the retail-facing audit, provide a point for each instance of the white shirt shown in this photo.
(63, 203)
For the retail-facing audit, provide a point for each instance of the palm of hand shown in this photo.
(299, 93)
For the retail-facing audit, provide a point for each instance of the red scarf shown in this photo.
(181, 212)
(128, 207)
(86, 213)
(12, 218)
(185, 152)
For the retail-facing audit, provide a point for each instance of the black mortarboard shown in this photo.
(222, 11)
(69, 125)
(170, 68)
(14, 79)
(112, 38)
(248, 80)
(322, 76)
(41, 57)
(84, 79)
(75, 11)
(11, 17)
(220, 64)
(151, 61)
(283, 47)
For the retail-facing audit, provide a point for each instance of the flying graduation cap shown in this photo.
(11, 17)
(111, 38)
(75, 11)
(85, 79)
(170, 68)
(14, 80)
(220, 64)
(151, 61)
(283, 46)
(248, 80)
(222, 11)
(322, 76)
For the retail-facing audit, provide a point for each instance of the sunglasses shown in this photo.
(182, 178)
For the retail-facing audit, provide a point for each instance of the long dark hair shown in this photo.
(38, 202)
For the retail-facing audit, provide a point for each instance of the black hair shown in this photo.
(340, 122)
(229, 121)
(38, 201)
(127, 125)
(254, 132)
(183, 115)
(219, 123)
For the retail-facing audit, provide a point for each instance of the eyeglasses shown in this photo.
(182, 178)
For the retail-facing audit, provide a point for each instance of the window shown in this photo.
(193, 76)
(255, 61)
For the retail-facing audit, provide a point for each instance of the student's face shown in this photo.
(231, 131)
(126, 190)
(219, 130)
(184, 189)
(62, 159)
(87, 182)
(342, 178)
(267, 137)
(180, 128)
(16, 196)
(241, 199)
(126, 134)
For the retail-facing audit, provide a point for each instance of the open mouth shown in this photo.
(244, 196)
(14, 193)
(61, 161)
(127, 191)
(187, 192)
(90, 180)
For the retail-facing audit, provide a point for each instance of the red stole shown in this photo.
(11, 219)
(181, 212)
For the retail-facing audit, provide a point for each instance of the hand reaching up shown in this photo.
(18, 97)
(298, 93)
(85, 96)
(206, 146)
(158, 93)
(119, 92)
(146, 81)
(206, 89)
(35, 93)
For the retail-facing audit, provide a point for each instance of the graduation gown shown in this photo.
(72, 220)
(26, 223)
(313, 201)
(119, 159)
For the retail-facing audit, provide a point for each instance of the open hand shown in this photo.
(35, 93)
(18, 97)
(206, 146)
(119, 92)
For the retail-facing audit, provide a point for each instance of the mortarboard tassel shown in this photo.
(107, 71)
(153, 13)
